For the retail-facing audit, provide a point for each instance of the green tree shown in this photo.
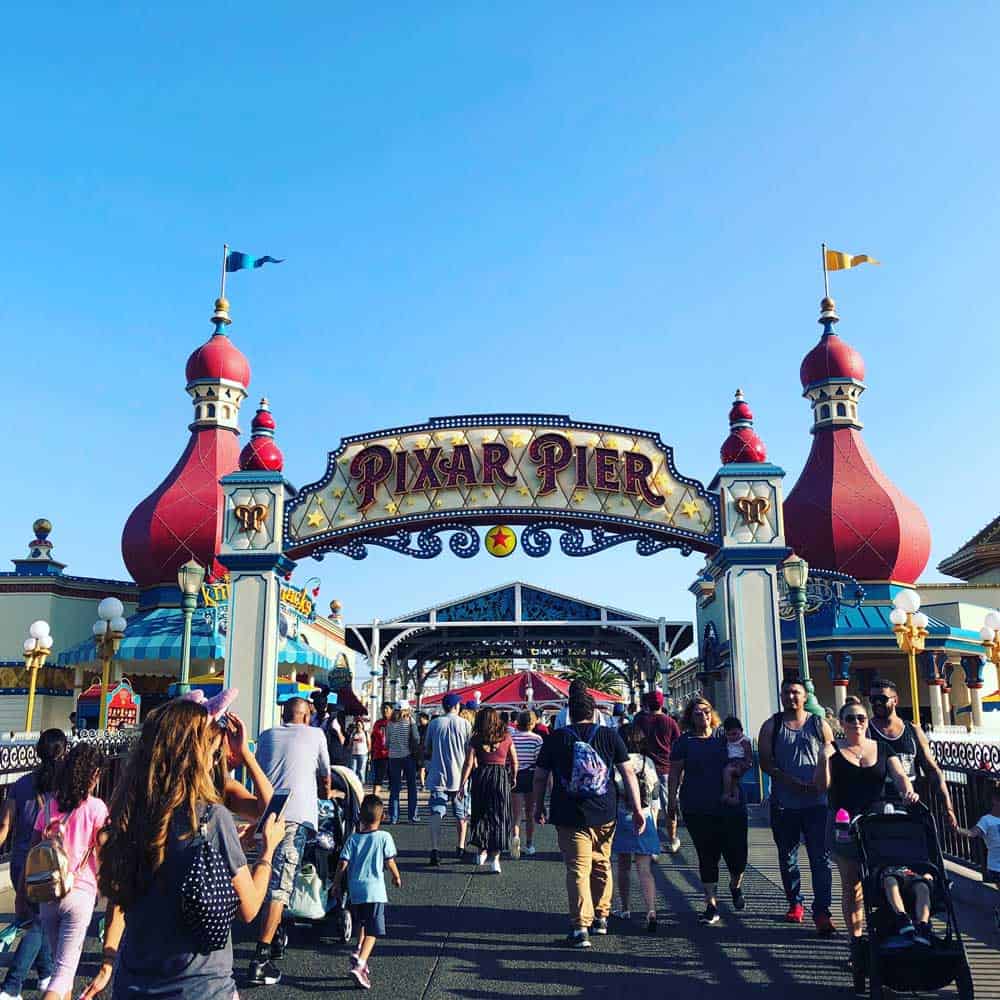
(488, 669)
(596, 674)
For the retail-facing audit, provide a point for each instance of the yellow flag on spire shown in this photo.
(838, 261)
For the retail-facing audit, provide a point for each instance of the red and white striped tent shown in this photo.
(548, 693)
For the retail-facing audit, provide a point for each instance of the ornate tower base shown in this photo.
(251, 551)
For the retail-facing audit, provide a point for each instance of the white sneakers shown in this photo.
(17, 996)
(496, 865)
(481, 860)
(530, 850)
(675, 845)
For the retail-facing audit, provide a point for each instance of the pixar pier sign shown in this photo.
(514, 469)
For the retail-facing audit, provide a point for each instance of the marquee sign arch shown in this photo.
(594, 485)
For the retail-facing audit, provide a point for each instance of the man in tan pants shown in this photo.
(584, 808)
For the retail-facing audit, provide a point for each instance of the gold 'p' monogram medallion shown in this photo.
(753, 509)
(251, 517)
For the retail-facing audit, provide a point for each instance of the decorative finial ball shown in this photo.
(42, 527)
(336, 607)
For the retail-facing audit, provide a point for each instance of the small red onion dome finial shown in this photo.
(743, 444)
(261, 454)
(831, 358)
(219, 358)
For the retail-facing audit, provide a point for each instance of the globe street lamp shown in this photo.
(910, 625)
(190, 577)
(990, 634)
(795, 570)
(36, 649)
(109, 630)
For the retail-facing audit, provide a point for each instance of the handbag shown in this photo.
(309, 894)
(414, 740)
(208, 899)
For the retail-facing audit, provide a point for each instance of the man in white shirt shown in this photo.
(446, 746)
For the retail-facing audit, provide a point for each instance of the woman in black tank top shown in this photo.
(852, 771)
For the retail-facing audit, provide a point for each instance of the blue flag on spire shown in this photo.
(236, 261)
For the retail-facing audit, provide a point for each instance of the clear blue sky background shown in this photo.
(610, 211)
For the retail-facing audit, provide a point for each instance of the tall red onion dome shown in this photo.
(844, 513)
(261, 454)
(182, 518)
(743, 444)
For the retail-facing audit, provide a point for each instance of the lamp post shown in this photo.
(109, 630)
(190, 577)
(910, 625)
(36, 649)
(990, 634)
(795, 570)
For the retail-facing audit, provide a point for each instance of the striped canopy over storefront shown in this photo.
(154, 638)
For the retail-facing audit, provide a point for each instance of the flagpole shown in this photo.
(826, 274)
(225, 258)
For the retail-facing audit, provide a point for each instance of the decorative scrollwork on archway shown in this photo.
(464, 543)
(536, 540)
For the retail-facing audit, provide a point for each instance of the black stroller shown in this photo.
(338, 819)
(887, 840)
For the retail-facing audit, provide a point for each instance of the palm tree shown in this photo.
(489, 668)
(596, 674)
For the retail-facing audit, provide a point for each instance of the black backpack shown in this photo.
(208, 899)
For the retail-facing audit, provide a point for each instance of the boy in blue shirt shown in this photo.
(364, 859)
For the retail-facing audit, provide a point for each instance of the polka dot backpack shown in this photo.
(208, 900)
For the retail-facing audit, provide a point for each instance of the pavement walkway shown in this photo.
(457, 932)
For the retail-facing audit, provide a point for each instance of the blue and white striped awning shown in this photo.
(156, 635)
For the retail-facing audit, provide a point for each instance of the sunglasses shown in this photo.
(859, 719)
(879, 699)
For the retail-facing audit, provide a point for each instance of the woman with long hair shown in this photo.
(527, 743)
(167, 795)
(490, 760)
(852, 770)
(74, 815)
(628, 846)
(402, 738)
(718, 829)
(20, 810)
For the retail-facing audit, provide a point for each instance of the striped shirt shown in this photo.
(397, 737)
(527, 746)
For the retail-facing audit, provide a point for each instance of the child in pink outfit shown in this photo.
(76, 815)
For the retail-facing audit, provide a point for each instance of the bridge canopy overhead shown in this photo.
(520, 621)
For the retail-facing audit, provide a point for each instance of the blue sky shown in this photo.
(610, 211)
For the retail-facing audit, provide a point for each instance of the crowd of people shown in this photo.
(169, 851)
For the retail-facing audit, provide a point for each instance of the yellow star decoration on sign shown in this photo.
(524, 491)
(516, 441)
(500, 541)
(438, 503)
(337, 493)
(315, 519)
(689, 508)
(578, 498)
(392, 507)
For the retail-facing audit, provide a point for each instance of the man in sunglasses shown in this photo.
(908, 742)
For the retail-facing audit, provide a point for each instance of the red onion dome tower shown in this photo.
(182, 518)
(261, 454)
(844, 513)
(743, 444)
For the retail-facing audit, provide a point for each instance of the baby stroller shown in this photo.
(888, 840)
(310, 904)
